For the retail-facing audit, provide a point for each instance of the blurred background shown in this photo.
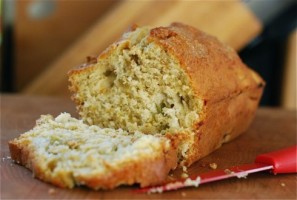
(42, 39)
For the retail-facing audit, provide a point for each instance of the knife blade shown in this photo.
(281, 161)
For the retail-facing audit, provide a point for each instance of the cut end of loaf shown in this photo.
(66, 152)
(138, 86)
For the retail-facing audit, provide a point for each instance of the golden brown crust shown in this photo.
(223, 121)
(215, 70)
(231, 91)
(145, 171)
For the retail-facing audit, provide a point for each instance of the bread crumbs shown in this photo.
(183, 194)
(184, 175)
(52, 191)
(283, 184)
(213, 165)
(228, 171)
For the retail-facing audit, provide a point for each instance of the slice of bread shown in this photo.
(175, 80)
(66, 152)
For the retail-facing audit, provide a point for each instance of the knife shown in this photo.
(281, 161)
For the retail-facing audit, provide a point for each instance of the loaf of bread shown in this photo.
(175, 81)
(157, 98)
(66, 152)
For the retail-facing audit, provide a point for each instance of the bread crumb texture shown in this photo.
(67, 152)
(213, 165)
(137, 85)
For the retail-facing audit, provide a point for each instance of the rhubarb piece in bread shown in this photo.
(66, 152)
(175, 80)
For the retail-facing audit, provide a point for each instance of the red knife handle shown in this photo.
(283, 161)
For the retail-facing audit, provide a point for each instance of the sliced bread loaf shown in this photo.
(175, 80)
(158, 97)
(66, 152)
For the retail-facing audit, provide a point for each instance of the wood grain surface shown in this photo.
(230, 21)
(272, 129)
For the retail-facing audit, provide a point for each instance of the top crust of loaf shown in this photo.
(215, 70)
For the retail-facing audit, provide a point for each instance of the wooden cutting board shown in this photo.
(230, 21)
(272, 129)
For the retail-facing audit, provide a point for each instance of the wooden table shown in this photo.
(272, 129)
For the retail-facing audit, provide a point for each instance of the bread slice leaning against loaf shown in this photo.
(66, 152)
(176, 81)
